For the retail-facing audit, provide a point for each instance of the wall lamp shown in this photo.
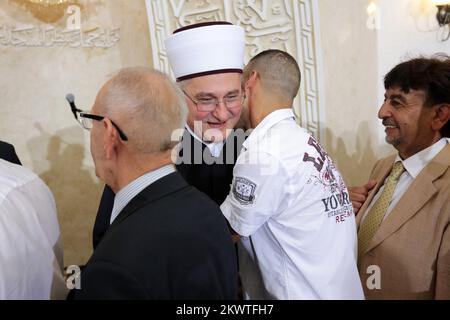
(443, 15)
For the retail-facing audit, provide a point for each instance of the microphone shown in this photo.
(71, 100)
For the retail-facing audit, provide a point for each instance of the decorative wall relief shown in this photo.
(48, 35)
(31, 36)
(289, 25)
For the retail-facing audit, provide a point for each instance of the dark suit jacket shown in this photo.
(8, 153)
(210, 175)
(170, 242)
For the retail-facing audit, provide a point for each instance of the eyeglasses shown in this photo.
(231, 101)
(86, 121)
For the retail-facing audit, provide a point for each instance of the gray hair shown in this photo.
(148, 107)
(279, 72)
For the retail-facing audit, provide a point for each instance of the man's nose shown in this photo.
(385, 111)
(221, 112)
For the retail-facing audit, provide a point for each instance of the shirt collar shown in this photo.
(415, 164)
(267, 123)
(214, 147)
(126, 194)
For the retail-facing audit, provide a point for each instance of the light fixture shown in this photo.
(372, 8)
(443, 16)
(373, 16)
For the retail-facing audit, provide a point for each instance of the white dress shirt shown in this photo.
(126, 194)
(288, 196)
(413, 166)
(30, 253)
(214, 147)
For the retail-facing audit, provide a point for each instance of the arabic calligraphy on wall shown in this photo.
(73, 36)
(31, 36)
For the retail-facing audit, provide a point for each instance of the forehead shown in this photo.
(412, 96)
(220, 83)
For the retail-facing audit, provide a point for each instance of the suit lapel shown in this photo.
(418, 194)
(161, 188)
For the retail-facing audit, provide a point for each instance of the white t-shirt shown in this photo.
(289, 197)
(30, 253)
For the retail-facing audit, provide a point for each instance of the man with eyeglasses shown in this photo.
(166, 240)
(207, 60)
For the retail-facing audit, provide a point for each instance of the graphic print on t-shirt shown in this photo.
(338, 204)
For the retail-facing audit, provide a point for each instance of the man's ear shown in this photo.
(441, 117)
(111, 139)
(253, 77)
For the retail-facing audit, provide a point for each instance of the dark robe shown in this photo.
(212, 176)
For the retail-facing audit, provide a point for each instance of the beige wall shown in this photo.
(36, 117)
(349, 52)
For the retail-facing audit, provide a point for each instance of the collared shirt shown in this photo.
(288, 196)
(214, 147)
(30, 253)
(413, 166)
(126, 194)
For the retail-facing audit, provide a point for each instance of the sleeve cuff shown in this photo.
(235, 222)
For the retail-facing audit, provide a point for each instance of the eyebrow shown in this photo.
(210, 95)
(397, 96)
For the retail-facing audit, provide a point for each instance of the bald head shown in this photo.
(278, 72)
(146, 105)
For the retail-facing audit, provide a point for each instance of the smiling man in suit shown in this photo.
(404, 222)
(211, 81)
(8, 153)
(167, 240)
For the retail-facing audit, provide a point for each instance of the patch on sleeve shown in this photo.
(244, 190)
